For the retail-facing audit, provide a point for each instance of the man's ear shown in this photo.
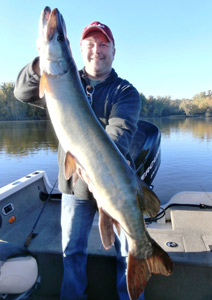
(114, 51)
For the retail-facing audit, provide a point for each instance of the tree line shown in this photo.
(199, 105)
(12, 109)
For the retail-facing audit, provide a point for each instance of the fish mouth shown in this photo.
(56, 52)
(47, 12)
(55, 23)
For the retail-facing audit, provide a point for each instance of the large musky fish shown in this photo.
(122, 199)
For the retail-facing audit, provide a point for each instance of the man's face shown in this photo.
(97, 54)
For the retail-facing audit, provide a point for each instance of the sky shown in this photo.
(163, 47)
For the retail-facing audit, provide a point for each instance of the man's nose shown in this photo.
(96, 48)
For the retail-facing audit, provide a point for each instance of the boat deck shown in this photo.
(189, 229)
(47, 248)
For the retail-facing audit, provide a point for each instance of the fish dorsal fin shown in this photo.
(70, 165)
(147, 199)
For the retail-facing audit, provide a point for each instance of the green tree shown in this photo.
(12, 109)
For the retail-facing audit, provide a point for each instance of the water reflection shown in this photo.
(186, 156)
(186, 153)
(23, 138)
(199, 128)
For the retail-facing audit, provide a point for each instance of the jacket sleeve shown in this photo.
(124, 116)
(27, 86)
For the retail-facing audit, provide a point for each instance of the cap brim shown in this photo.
(95, 29)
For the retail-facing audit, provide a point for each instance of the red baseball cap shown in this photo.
(94, 26)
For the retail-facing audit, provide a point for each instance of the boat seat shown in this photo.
(18, 269)
(18, 274)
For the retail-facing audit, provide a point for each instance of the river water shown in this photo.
(186, 153)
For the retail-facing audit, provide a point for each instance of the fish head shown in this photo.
(52, 43)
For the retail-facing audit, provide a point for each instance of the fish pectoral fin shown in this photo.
(118, 227)
(159, 262)
(43, 85)
(106, 229)
(137, 276)
(149, 202)
(70, 165)
(74, 179)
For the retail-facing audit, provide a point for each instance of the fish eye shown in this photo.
(60, 38)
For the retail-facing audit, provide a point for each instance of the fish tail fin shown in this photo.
(137, 276)
(159, 262)
(140, 270)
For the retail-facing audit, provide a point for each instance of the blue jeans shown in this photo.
(76, 220)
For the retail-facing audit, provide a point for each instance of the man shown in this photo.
(116, 104)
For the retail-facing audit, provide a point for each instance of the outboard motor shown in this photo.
(18, 272)
(146, 151)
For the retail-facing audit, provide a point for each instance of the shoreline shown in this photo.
(141, 118)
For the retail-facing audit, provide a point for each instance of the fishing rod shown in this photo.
(32, 233)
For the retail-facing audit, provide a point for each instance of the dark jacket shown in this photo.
(115, 102)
